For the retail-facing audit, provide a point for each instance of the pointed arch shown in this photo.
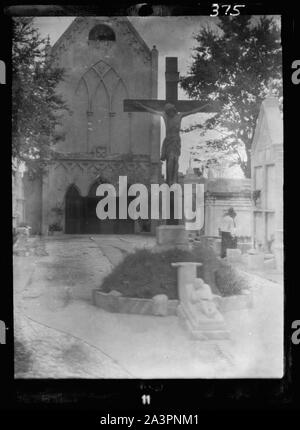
(72, 190)
(121, 121)
(103, 70)
(101, 82)
(99, 133)
(82, 80)
(80, 109)
(94, 186)
(107, 125)
(121, 83)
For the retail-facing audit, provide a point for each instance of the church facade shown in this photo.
(105, 61)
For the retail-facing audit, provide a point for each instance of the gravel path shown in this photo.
(55, 354)
(50, 282)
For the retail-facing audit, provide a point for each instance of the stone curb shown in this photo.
(131, 305)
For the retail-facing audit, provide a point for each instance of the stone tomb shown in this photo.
(267, 181)
(219, 194)
(172, 236)
(197, 308)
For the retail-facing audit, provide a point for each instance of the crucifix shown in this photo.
(172, 111)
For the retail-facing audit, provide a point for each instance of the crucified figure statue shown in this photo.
(171, 147)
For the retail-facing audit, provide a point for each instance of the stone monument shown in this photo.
(172, 111)
(267, 181)
(197, 308)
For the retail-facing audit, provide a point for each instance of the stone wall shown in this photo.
(99, 76)
(102, 142)
(84, 173)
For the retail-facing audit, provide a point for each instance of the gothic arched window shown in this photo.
(102, 32)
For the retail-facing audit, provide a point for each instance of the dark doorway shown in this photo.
(93, 225)
(74, 213)
(124, 226)
(81, 217)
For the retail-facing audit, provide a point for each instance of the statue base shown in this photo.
(207, 329)
(172, 236)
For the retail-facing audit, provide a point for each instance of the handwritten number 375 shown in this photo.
(235, 8)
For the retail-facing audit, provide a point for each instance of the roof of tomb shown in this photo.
(270, 118)
(225, 185)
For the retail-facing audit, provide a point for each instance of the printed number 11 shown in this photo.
(146, 399)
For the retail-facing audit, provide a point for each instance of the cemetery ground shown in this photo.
(59, 333)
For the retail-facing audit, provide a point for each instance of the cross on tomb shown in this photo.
(182, 108)
(171, 79)
(172, 111)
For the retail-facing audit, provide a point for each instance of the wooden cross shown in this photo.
(172, 79)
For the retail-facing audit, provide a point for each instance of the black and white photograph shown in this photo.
(147, 196)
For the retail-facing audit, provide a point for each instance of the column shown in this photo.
(155, 121)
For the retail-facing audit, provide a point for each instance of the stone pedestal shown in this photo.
(172, 236)
(255, 260)
(213, 329)
(186, 274)
(197, 309)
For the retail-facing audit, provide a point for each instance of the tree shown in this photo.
(238, 63)
(36, 107)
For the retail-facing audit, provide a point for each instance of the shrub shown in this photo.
(144, 274)
(228, 281)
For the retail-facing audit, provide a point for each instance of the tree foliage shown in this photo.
(237, 64)
(36, 106)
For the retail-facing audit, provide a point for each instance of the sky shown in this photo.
(173, 36)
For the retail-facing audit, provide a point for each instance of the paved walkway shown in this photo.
(69, 337)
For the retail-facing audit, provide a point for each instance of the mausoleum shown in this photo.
(267, 180)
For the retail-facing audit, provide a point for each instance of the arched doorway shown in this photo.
(81, 217)
(93, 225)
(74, 211)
